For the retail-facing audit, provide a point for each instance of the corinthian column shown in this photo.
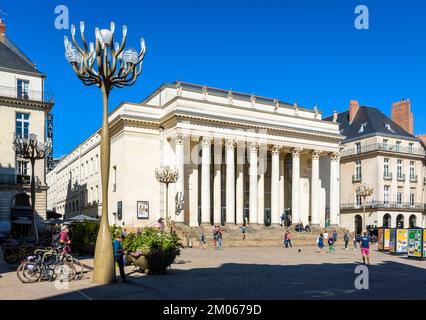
(240, 183)
(295, 188)
(217, 182)
(334, 190)
(253, 184)
(315, 188)
(205, 180)
(230, 181)
(275, 189)
(180, 196)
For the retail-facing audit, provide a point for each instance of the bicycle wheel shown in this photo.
(28, 272)
(78, 268)
(64, 271)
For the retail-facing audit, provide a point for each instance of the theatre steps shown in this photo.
(256, 236)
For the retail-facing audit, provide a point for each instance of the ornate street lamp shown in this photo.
(167, 175)
(364, 191)
(106, 65)
(33, 150)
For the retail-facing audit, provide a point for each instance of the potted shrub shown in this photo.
(83, 236)
(151, 250)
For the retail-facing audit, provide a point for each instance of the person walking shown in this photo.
(64, 239)
(289, 237)
(335, 235)
(346, 239)
(320, 243)
(202, 241)
(243, 232)
(331, 245)
(119, 254)
(214, 231)
(365, 247)
(219, 238)
(354, 241)
(285, 239)
(325, 235)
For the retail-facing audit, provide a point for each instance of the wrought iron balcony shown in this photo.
(387, 175)
(401, 177)
(356, 178)
(384, 205)
(414, 178)
(31, 95)
(376, 147)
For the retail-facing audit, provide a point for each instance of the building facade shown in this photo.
(386, 156)
(24, 105)
(239, 157)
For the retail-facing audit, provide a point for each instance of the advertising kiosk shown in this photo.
(416, 243)
(398, 242)
(383, 235)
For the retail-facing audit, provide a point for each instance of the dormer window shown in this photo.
(387, 125)
(362, 127)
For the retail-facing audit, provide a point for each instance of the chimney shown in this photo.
(2, 30)
(422, 137)
(353, 108)
(401, 114)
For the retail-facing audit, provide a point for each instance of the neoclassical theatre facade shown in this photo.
(240, 157)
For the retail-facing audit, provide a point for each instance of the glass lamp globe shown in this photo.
(130, 56)
(106, 36)
(73, 56)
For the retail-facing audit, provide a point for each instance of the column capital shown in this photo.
(206, 142)
(275, 150)
(253, 147)
(296, 152)
(179, 137)
(334, 156)
(316, 154)
(230, 144)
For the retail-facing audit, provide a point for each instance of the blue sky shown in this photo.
(304, 51)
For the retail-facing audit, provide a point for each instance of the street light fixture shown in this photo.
(106, 65)
(33, 150)
(167, 175)
(364, 191)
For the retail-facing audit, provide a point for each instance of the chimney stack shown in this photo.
(353, 108)
(2, 30)
(401, 114)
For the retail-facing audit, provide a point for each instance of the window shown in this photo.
(93, 165)
(97, 194)
(387, 125)
(358, 201)
(386, 167)
(399, 198)
(412, 199)
(22, 168)
(358, 147)
(22, 125)
(386, 196)
(358, 173)
(86, 169)
(398, 146)
(97, 164)
(385, 144)
(410, 147)
(114, 185)
(362, 127)
(23, 87)
(399, 169)
(412, 173)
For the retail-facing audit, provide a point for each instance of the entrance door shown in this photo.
(358, 224)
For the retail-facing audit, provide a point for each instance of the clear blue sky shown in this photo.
(304, 51)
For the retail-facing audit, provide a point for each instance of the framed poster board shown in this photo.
(415, 243)
(401, 241)
(386, 239)
(424, 243)
(142, 209)
(380, 235)
(392, 240)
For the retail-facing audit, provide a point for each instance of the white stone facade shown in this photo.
(236, 155)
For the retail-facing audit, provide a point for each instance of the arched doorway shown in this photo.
(400, 221)
(412, 221)
(358, 224)
(21, 215)
(387, 220)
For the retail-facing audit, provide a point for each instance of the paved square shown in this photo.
(245, 273)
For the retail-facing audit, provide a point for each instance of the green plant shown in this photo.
(151, 241)
(84, 232)
(115, 231)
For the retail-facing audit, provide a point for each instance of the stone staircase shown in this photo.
(256, 235)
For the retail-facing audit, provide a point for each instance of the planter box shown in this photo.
(151, 264)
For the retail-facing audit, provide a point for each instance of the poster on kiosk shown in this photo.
(380, 235)
(416, 244)
(398, 241)
(386, 239)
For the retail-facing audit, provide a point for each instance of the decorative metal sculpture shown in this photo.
(106, 65)
(167, 175)
(33, 150)
(364, 191)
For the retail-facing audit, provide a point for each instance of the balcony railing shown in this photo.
(400, 177)
(387, 175)
(383, 147)
(414, 178)
(31, 95)
(18, 179)
(356, 178)
(384, 205)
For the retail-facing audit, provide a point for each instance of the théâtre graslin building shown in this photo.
(240, 157)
